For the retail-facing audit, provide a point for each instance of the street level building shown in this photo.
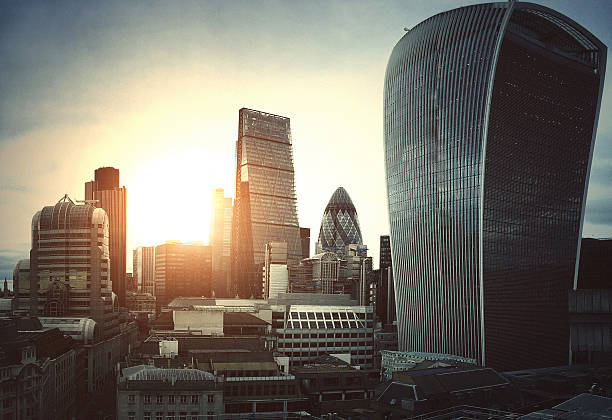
(265, 206)
(104, 192)
(490, 116)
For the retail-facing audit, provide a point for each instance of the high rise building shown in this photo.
(595, 271)
(69, 265)
(182, 269)
(385, 292)
(305, 238)
(490, 114)
(220, 238)
(108, 195)
(265, 206)
(276, 273)
(143, 262)
(340, 225)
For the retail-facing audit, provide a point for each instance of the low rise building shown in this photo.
(148, 393)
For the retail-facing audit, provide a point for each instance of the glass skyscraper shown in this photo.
(340, 225)
(490, 113)
(265, 206)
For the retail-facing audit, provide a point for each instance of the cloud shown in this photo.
(9, 184)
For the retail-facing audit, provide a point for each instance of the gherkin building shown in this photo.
(340, 225)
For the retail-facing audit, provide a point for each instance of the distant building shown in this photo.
(490, 119)
(112, 198)
(69, 265)
(276, 273)
(21, 287)
(144, 269)
(305, 238)
(140, 302)
(182, 269)
(130, 282)
(265, 206)
(220, 240)
(595, 270)
(318, 274)
(340, 225)
(385, 292)
(149, 392)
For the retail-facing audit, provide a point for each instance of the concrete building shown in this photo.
(69, 265)
(139, 302)
(265, 206)
(104, 192)
(305, 239)
(182, 269)
(147, 392)
(491, 113)
(276, 273)
(21, 287)
(37, 371)
(144, 269)
(385, 291)
(220, 240)
(318, 274)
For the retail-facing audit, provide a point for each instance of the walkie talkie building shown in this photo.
(265, 205)
(490, 113)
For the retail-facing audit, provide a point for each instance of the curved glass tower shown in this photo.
(340, 225)
(490, 113)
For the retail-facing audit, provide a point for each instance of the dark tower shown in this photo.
(490, 119)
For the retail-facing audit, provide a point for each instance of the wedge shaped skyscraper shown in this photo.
(265, 205)
(490, 114)
(340, 225)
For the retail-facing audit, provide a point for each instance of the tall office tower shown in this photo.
(340, 225)
(305, 239)
(318, 274)
(385, 292)
(69, 265)
(105, 189)
(490, 113)
(265, 206)
(182, 269)
(276, 273)
(143, 269)
(220, 238)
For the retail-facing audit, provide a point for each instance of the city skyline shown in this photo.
(82, 114)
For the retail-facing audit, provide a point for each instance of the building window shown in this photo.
(159, 415)
(194, 415)
(147, 415)
(183, 399)
(147, 399)
(210, 413)
(131, 399)
(195, 399)
(131, 415)
(170, 415)
(171, 400)
(183, 415)
(160, 399)
(211, 398)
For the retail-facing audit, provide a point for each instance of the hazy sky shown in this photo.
(154, 88)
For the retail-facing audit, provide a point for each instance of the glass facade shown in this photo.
(513, 88)
(265, 207)
(340, 225)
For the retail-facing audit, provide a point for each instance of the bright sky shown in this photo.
(154, 89)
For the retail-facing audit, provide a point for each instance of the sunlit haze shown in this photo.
(154, 89)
